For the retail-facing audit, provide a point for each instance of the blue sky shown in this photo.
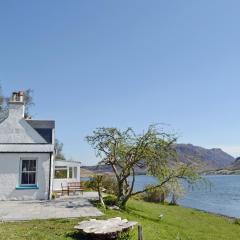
(126, 63)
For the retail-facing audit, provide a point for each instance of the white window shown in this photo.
(28, 172)
(75, 172)
(70, 172)
(60, 172)
(65, 172)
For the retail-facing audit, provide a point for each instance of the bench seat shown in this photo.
(72, 187)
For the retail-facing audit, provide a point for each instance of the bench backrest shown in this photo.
(74, 184)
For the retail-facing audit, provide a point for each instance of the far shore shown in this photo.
(222, 172)
(87, 173)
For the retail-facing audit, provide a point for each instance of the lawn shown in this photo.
(177, 223)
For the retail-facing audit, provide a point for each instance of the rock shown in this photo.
(104, 229)
(114, 208)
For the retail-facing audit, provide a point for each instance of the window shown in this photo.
(60, 172)
(70, 172)
(65, 172)
(75, 172)
(28, 172)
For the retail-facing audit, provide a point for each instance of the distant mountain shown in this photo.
(108, 169)
(235, 165)
(98, 168)
(207, 159)
(214, 158)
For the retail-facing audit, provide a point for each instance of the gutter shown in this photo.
(50, 175)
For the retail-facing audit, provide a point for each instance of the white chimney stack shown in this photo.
(16, 105)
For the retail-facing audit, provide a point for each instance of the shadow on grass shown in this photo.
(77, 236)
(131, 211)
(139, 215)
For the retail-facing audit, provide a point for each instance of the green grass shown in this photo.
(178, 223)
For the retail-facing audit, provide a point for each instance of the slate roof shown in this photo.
(44, 128)
(21, 135)
(39, 124)
(18, 131)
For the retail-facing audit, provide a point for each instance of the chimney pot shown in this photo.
(18, 96)
(16, 105)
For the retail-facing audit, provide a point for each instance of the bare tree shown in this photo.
(59, 150)
(28, 101)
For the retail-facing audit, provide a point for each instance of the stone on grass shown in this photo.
(114, 207)
(104, 229)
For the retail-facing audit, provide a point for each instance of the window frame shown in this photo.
(61, 168)
(71, 170)
(75, 172)
(21, 172)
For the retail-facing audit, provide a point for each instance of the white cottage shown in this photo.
(26, 154)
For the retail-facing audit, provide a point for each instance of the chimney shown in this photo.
(16, 105)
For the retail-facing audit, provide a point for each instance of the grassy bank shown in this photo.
(177, 223)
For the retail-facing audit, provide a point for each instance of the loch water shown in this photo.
(221, 194)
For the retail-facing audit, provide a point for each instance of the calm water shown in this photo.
(222, 196)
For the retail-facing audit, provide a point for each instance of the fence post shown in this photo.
(140, 232)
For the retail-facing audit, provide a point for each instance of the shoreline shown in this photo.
(223, 172)
(212, 213)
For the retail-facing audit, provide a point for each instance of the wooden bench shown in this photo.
(72, 187)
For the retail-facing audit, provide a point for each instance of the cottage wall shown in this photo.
(10, 176)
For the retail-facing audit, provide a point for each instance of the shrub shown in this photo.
(54, 195)
(110, 200)
(140, 196)
(154, 195)
(109, 183)
(237, 221)
(88, 184)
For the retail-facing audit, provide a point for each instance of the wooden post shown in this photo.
(140, 232)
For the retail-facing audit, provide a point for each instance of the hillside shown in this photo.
(206, 158)
(85, 173)
(235, 165)
(210, 158)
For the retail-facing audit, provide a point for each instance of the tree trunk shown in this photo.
(100, 197)
(125, 194)
(123, 201)
(174, 200)
(120, 190)
(122, 197)
(162, 197)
